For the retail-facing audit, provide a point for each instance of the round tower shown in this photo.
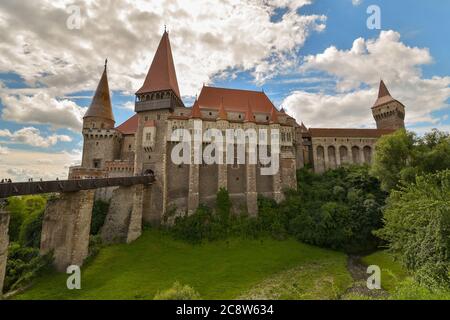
(388, 112)
(101, 140)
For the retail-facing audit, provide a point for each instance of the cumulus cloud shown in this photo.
(32, 136)
(20, 165)
(41, 108)
(358, 72)
(208, 37)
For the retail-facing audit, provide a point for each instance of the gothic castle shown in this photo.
(142, 145)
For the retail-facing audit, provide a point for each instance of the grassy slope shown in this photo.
(392, 272)
(218, 270)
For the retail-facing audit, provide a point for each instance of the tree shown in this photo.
(417, 227)
(402, 156)
(393, 154)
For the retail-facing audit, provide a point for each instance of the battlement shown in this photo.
(123, 166)
(79, 172)
(92, 133)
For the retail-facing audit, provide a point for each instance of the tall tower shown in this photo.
(101, 141)
(388, 112)
(155, 101)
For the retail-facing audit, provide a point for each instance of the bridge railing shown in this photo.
(40, 187)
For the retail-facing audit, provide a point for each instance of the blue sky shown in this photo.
(410, 52)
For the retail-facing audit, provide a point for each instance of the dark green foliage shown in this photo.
(338, 209)
(23, 265)
(21, 208)
(99, 212)
(402, 156)
(30, 232)
(208, 224)
(417, 226)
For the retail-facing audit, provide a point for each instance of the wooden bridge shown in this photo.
(29, 188)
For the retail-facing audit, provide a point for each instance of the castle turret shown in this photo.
(388, 112)
(160, 89)
(100, 114)
(101, 141)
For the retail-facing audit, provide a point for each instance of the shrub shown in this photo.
(99, 212)
(178, 292)
(417, 227)
(30, 232)
(20, 209)
(23, 265)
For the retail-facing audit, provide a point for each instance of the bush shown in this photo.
(23, 265)
(178, 292)
(99, 212)
(20, 208)
(417, 226)
(30, 232)
(338, 209)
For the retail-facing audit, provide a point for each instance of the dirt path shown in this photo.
(358, 271)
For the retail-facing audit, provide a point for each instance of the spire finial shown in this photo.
(165, 28)
(106, 63)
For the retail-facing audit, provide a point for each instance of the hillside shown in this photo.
(237, 268)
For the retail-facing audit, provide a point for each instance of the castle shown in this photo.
(143, 144)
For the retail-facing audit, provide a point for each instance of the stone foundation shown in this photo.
(66, 228)
(4, 242)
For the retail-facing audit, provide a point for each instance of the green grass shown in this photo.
(392, 272)
(216, 270)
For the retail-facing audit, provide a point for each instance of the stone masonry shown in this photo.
(66, 228)
(4, 242)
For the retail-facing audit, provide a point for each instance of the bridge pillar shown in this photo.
(66, 228)
(123, 222)
(4, 242)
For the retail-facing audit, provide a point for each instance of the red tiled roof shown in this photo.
(274, 116)
(235, 100)
(249, 116)
(101, 103)
(351, 133)
(222, 112)
(162, 74)
(129, 126)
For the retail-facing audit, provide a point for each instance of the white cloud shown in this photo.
(32, 136)
(208, 37)
(3, 150)
(356, 2)
(20, 165)
(41, 108)
(358, 72)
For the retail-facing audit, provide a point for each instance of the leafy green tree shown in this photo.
(402, 156)
(393, 154)
(417, 227)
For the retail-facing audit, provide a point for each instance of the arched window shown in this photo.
(356, 155)
(367, 154)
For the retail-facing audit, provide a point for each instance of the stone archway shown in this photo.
(320, 159)
(343, 154)
(356, 155)
(367, 154)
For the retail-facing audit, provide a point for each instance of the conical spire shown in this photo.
(101, 103)
(222, 112)
(196, 114)
(249, 116)
(161, 75)
(383, 91)
(383, 95)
